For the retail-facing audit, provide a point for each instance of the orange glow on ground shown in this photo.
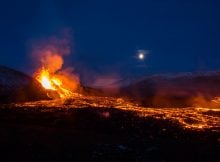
(194, 118)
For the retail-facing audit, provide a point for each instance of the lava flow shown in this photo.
(53, 82)
(194, 118)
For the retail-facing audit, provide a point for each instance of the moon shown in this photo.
(141, 56)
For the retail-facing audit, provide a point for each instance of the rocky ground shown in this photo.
(41, 133)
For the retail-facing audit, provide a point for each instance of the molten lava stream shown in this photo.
(52, 82)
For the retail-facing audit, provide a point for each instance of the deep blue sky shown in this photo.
(180, 35)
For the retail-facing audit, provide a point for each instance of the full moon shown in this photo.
(141, 56)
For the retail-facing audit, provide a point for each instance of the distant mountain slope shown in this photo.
(16, 86)
(174, 90)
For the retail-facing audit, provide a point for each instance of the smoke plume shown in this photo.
(50, 53)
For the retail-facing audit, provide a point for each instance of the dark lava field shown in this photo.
(40, 131)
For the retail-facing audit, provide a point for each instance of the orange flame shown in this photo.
(53, 82)
(47, 81)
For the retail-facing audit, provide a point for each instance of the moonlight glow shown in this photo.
(141, 56)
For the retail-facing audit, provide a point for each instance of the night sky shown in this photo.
(177, 36)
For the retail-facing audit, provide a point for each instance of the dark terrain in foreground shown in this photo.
(99, 134)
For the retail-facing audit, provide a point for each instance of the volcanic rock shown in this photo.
(16, 86)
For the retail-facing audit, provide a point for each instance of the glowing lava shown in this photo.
(52, 82)
(45, 79)
(194, 118)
